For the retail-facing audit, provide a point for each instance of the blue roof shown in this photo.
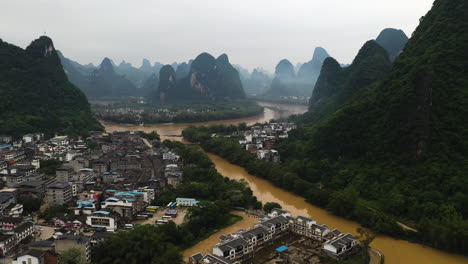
(282, 249)
(102, 212)
(110, 190)
(5, 145)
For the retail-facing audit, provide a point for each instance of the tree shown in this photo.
(365, 236)
(72, 256)
(30, 204)
(343, 202)
(270, 206)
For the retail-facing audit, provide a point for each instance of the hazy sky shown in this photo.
(254, 33)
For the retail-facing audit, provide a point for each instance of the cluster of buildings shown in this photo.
(238, 247)
(260, 140)
(105, 180)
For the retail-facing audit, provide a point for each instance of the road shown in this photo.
(375, 256)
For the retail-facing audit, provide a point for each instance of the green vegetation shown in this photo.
(72, 256)
(36, 95)
(209, 80)
(49, 166)
(378, 152)
(30, 204)
(184, 113)
(270, 206)
(54, 211)
(162, 244)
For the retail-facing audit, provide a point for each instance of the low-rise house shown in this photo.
(59, 193)
(233, 249)
(5, 138)
(5, 200)
(341, 246)
(34, 256)
(74, 221)
(7, 242)
(209, 259)
(8, 224)
(86, 207)
(256, 236)
(23, 231)
(13, 210)
(106, 219)
(276, 225)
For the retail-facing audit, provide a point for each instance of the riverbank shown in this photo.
(135, 113)
(396, 251)
(176, 129)
(204, 246)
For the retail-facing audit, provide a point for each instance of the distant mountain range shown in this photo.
(36, 94)
(204, 79)
(287, 83)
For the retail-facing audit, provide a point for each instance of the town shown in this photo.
(71, 192)
(309, 240)
(83, 189)
(260, 140)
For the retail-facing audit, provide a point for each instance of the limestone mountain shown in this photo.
(36, 95)
(309, 72)
(258, 82)
(136, 75)
(149, 87)
(284, 82)
(167, 87)
(208, 80)
(105, 82)
(77, 74)
(146, 66)
(402, 144)
(393, 41)
(338, 86)
(182, 71)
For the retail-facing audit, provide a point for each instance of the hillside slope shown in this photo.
(36, 95)
(403, 144)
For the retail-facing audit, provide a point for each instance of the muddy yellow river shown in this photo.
(395, 251)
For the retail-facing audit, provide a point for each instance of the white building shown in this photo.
(32, 256)
(108, 220)
(187, 201)
(341, 246)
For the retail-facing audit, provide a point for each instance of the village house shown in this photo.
(244, 244)
(341, 246)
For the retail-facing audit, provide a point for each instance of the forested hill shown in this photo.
(36, 95)
(393, 41)
(403, 144)
(336, 87)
